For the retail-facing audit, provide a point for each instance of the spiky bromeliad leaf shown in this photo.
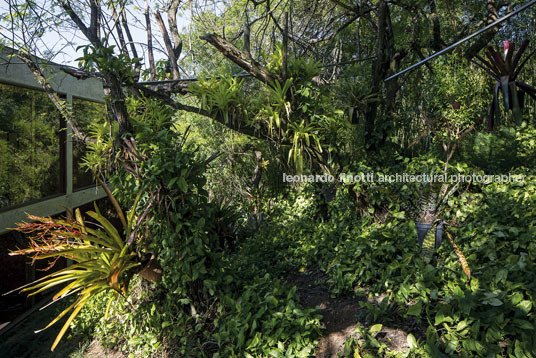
(102, 261)
(505, 72)
(428, 245)
(461, 257)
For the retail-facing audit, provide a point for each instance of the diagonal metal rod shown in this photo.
(493, 24)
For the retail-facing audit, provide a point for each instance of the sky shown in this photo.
(60, 46)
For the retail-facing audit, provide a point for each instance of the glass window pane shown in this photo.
(85, 113)
(30, 160)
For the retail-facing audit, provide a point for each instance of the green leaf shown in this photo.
(182, 185)
(516, 298)
(502, 275)
(523, 324)
(415, 310)
(462, 325)
(375, 329)
(399, 215)
(525, 306)
(108, 227)
(519, 349)
(494, 302)
(412, 342)
(432, 350)
(493, 335)
(440, 318)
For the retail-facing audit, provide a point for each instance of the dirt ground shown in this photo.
(342, 315)
(95, 350)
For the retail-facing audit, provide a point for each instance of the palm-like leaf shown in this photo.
(305, 143)
(100, 253)
(505, 71)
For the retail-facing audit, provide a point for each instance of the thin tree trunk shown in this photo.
(240, 58)
(150, 54)
(169, 46)
(174, 30)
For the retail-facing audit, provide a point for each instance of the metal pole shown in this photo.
(502, 19)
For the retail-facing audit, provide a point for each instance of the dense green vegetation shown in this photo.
(203, 168)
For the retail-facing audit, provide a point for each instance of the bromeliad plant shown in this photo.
(103, 258)
(305, 144)
(293, 113)
(505, 71)
(221, 96)
(427, 214)
(431, 196)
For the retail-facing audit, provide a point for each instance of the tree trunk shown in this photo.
(241, 58)
(380, 69)
(152, 271)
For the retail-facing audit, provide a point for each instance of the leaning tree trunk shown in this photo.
(152, 271)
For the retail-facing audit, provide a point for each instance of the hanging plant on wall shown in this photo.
(505, 69)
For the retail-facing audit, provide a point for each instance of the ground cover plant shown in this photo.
(213, 249)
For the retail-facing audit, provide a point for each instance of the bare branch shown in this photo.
(343, 5)
(241, 58)
(89, 33)
(458, 141)
(284, 60)
(131, 42)
(174, 29)
(247, 36)
(119, 30)
(150, 55)
(336, 32)
(60, 104)
(94, 24)
(169, 46)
